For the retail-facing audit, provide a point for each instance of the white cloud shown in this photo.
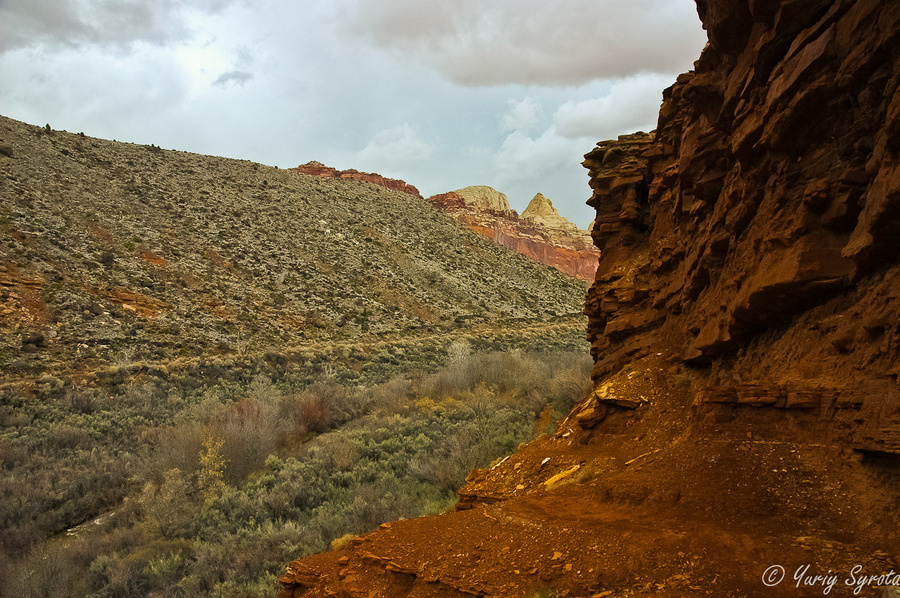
(531, 42)
(522, 156)
(523, 115)
(66, 89)
(548, 163)
(632, 104)
(393, 149)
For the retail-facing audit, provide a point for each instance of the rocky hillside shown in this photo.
(743, 436)
(540, 233)
(119, 252)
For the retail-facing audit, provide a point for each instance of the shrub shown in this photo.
(343, 541)
(166, 506)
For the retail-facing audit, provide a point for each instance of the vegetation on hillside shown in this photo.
(113, 250)
(211, 492)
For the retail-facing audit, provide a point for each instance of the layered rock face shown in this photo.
(541, 211)
(484, 198)
(318, 169)
(754, 234)
(540, 233)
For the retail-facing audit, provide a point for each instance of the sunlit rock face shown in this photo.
(540, 233)
(541, 211)
(484, 198)
(754, 233)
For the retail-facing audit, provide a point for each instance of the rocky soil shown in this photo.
(118, 253)
(743, 436)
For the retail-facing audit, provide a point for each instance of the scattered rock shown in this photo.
(36, 339)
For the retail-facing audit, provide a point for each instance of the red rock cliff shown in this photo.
(319, 169)
(565, 248)
(755, 234)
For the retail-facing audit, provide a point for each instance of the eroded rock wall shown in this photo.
(318, 169)
(565, 248)
(755, 234)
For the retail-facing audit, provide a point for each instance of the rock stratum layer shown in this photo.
(540, 234)
(318, 169)
(744, 431)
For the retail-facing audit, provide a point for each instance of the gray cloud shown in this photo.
(328, 86)
(530, 42)
(233, 78)
(70, 23)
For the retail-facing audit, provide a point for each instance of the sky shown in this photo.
(506, 93)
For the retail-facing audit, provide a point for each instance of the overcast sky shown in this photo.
(506, 93)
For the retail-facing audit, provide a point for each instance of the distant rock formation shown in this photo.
(318, 169)
(542, 235)
(541, 210)
(484, 198)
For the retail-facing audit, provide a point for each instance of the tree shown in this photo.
(211, 475)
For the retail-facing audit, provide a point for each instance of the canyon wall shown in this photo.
(755, 235)
(548, 238)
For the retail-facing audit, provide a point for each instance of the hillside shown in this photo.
(742, 436)
(118, 252)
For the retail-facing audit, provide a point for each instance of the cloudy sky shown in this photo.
(506, 93)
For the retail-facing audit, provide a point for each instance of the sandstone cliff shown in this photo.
(484, 198)
(541, 210)
(752, 236)
(745, 426)
(318, 169)
(543, 235)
